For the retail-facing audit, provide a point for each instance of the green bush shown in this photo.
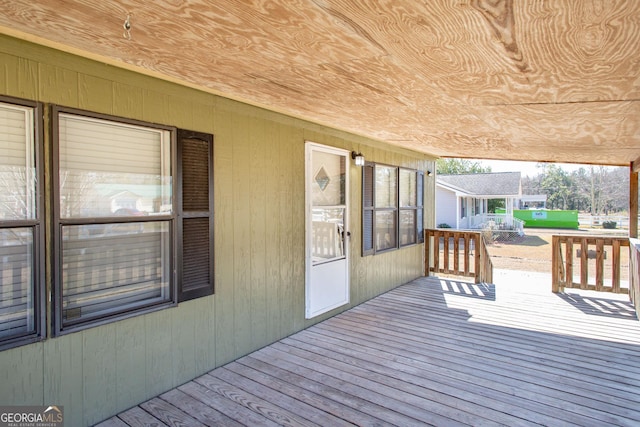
(443, 225)
(609, 224)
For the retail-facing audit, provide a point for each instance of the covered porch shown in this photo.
(435, 351)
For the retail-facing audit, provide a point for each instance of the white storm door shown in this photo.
(327, 253)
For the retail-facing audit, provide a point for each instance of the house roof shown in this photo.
(501, 184)
(553, 81)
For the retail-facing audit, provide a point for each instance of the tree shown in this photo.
(596, 189)
(556, 184)
(493, 204)
(459, 166)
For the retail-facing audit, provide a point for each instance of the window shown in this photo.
(411, 207)
(195, 212)
(21, 234)
(114, 219)
(392, 208)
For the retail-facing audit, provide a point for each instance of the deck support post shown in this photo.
(633, 199)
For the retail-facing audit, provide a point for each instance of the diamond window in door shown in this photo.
(322, 179)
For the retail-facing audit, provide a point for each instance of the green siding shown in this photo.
(259, 241)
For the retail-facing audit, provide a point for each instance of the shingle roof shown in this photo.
(485, 184)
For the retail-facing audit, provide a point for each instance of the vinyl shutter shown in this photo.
(195, 213)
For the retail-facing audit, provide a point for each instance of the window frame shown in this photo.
(373, 209)
(59, 326)
(409, 208)
(37, 226)
(394, 210)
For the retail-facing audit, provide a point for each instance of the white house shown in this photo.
(462, 200)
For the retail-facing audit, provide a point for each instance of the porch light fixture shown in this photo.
(429, 173)
(358, 157)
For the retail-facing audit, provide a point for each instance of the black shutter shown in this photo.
(195, 215)
(420, 204)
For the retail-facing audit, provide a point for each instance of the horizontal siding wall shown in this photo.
(259, 247)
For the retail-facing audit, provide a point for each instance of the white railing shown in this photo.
(597, 220)
(496, 222)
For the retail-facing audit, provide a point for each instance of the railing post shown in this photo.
(477, 267)
(436, 251)
(427, 252)
(634, 273)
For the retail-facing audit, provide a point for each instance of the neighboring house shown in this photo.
(533, 201)
(462, 200)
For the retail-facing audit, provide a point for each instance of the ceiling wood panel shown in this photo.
(540, 80)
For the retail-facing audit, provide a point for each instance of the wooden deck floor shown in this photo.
(432, 352)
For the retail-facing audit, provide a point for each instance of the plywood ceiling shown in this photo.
(538, 80)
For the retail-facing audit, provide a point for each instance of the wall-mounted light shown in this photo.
(429, 173)
(358, 157)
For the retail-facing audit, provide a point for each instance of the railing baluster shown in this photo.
(446, 253)
(456, 254)
(556, 259)
(615, 264)
(467, 239)
(599, 264)
(568, 270)
(584, 264)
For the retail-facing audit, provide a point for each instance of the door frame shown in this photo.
(310, 312)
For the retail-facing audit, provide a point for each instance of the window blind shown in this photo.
(17, 163)
(108, 165)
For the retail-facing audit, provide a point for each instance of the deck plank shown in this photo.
(112, 422)
(218, 381)
(470, 373)
(329, 399)
(437, 351)
(138, 417)
(199, 410)
(169, 414)
(243, 377)
(228, 407)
